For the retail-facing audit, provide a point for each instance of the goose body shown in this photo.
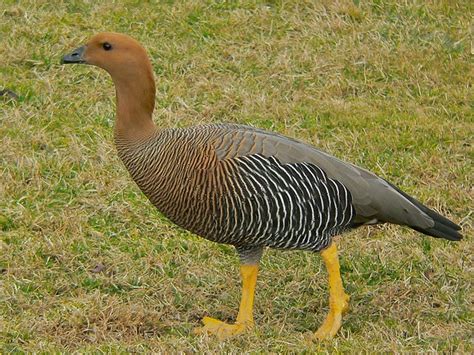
(244, 186)
(247, 187)
(250, 200)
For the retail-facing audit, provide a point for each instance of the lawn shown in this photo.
(87, 263)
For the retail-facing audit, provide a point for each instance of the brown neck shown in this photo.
(135, 103)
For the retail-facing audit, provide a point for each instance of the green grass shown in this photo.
(87, 264)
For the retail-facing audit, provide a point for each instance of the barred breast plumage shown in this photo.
(248, 200)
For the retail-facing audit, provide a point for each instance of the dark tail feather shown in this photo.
(440, 231)
(443, 228)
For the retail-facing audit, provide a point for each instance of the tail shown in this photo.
(443, 227)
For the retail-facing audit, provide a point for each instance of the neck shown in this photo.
(135, 103)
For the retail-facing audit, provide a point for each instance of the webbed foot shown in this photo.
(221, 329)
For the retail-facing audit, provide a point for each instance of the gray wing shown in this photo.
(374, 199)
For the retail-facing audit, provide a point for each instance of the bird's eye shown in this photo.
(107, 46)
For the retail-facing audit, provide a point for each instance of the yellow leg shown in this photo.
(338, 300)
(245, 317)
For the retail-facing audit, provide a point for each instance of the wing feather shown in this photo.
(372, 196)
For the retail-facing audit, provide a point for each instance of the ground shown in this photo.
(87, 264)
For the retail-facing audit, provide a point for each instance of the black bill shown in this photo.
(76, 56)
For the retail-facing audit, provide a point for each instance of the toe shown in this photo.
(212, 322)
(220, 329)
(210, 325)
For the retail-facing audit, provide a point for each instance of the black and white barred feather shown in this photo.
(287, 206)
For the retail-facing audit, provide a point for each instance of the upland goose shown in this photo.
(244, 186)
